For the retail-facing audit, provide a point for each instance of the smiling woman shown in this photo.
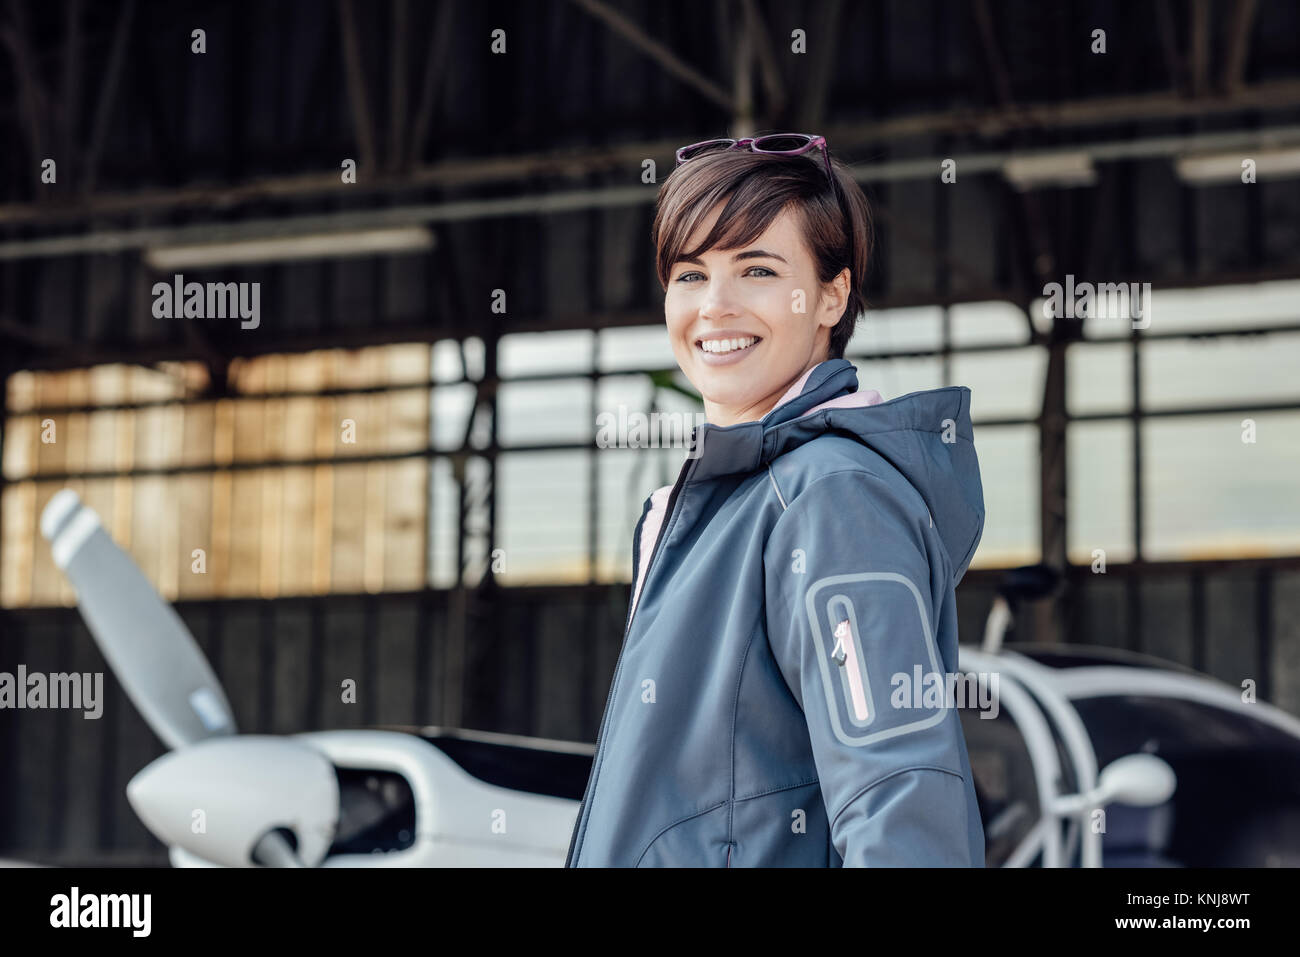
(807, 553)
(769, 275)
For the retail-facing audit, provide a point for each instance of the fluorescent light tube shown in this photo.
(1207, 168)
(369, 242)
(1051, 170)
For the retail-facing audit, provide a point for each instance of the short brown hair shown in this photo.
(756, 187)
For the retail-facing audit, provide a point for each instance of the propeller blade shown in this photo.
(144, 641)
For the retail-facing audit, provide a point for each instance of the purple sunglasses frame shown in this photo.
(815, 141)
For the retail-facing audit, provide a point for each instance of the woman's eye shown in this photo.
(765, 272)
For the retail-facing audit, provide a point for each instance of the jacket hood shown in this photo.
(926, 436)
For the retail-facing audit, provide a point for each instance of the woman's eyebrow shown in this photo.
(746, 254)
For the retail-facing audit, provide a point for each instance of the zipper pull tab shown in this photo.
(838, 652)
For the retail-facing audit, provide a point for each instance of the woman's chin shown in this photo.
(728, 387)
(727, 402)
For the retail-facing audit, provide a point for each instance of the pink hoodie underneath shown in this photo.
(659, 497)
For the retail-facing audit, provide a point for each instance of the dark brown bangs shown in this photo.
(835, 222)
(752, 200)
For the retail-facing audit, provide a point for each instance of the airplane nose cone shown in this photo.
(219, 797)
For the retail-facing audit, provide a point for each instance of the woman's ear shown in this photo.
(835, 297)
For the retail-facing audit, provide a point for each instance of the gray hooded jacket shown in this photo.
(790, 587)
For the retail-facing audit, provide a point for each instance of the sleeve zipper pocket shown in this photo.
(850, 662)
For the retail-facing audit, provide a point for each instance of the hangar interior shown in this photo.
(390, 474)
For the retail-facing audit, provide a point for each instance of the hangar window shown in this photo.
(300, 474)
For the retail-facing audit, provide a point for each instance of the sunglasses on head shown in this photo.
(775, 144)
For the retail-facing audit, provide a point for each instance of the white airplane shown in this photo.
(326, 798)
(1079, 729)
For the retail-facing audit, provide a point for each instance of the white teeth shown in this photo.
(728, 345)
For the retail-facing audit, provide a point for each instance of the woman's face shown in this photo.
(764, 298)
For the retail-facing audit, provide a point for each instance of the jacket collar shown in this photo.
(749, 446)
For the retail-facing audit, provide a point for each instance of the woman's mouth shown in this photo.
(718, 352)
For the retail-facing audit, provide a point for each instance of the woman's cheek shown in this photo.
(779, 305)
(677, 322)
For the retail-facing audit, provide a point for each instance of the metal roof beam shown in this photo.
(362, 121)
(1276, 95)
(107, 97)
(769, 70)
(540, 204)
(665, 57)
(1238, 47)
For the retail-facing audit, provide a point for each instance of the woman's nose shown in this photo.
(719, 300)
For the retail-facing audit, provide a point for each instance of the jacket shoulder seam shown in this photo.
(916, 767)
(780, 498)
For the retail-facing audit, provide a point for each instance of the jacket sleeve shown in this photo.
(851, 616)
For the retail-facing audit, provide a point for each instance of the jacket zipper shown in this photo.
(575, 843)
(848, 655)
